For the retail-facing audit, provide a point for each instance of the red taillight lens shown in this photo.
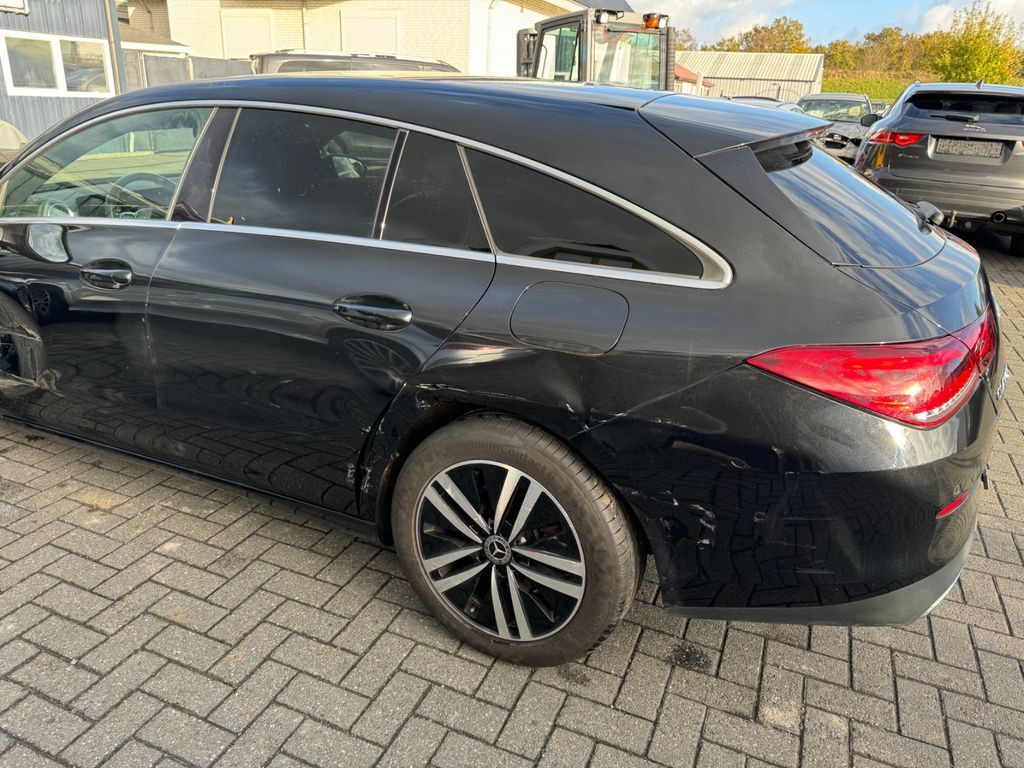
(980, 338)
(921, 383)
(899, 139)
(954, 505)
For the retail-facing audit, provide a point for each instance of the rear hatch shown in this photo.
(861, 229)
(960, 136)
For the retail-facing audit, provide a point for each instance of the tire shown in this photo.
(571, 564)
(1017, 244)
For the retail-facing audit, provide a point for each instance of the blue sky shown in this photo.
(824, 20)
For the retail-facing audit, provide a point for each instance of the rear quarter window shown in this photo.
(536, 215)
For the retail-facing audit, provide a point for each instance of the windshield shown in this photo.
(835, 110)
(629, 58)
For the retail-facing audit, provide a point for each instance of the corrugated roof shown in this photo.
(753, 66)
(606, 5)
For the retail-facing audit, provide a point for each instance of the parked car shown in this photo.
(422, 305)
(844, 111)
(958, 146)
(767, 102)
(327, 61)
(878, 106)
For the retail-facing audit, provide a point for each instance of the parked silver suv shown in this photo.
(958, 146)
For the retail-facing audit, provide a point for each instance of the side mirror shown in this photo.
(868, 120)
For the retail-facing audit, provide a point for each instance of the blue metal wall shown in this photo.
(78, 18)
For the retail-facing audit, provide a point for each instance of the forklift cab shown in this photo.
(595, 46)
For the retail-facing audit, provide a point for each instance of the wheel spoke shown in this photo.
(499, 608)
(433, 563)
(559, 585)
(450, 582)
(507, 489)
(452, 490)
(533, 493)
(522, 623)
(566, 564)
(451, 515)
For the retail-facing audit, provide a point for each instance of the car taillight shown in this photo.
(921, 383)
(899, 139)
(980, 337)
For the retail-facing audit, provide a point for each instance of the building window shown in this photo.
(45, 65)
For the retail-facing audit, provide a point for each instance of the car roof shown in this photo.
(839, 96)
(1013, 90)
(341, 56)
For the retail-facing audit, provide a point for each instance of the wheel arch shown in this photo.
(414, 416)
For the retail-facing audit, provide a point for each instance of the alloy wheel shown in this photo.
(500, 550)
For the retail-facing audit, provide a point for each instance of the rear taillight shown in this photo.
(921, 383)
(899, 139)
(954, 505)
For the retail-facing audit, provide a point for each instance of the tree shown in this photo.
(685, 41)
(842, 54)
(783, 35)
(888, 50)
(982, 43)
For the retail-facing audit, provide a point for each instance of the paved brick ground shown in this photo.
(147, 617)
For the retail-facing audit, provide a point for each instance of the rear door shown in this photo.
(971, 137)
(338, 257)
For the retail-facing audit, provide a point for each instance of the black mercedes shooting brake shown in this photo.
(527, 333)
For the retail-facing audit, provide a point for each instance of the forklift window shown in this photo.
(559, 57)
(631, 58)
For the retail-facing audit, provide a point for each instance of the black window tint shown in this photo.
(533, 214)
(867, 225)
(431, 202)
(297, 171)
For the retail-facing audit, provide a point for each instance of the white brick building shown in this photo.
(476, 36)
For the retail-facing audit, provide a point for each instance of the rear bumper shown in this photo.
(969, 201)
(901, 606)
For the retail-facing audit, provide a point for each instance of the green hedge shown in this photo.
(886, 87)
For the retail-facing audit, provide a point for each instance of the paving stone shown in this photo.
(457, 751)
(263, 740)
(123, 644)
(390, 708)
(186, 689)
(250, 699)
(826, 742)
(101, 740)
(314, 658)
(322, 701)
(249, 653)
(896, 750)
(187, 647)
(604, 724)
(322, 745)
(459, 712)
(118, 684)
(567, 749)
(443, 669)
(189, 738)
(414, 745)
(42, 724)
(320, 625)
(63, 637)
(54, 678)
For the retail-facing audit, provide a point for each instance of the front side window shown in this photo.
(67, 66)
(128, 167)
(559, 54)
(533, 214)
(290, 170)
(431, 203)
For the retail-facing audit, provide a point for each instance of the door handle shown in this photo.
(379, 313)
(107, 274)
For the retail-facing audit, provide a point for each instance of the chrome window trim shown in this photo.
(717, 271)
(88, 221)
(220, 163)
(380, 219)
(322, 237)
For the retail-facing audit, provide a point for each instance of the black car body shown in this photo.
(653, 289)
(960, 146)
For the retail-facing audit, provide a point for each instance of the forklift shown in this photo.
(636, 50)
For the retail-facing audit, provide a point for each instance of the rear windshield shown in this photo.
(990, 107)
(869, 227)
(836, 110)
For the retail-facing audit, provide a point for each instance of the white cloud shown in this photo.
(711, 20)
(940, 14)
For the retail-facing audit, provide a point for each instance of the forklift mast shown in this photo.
(599, 46)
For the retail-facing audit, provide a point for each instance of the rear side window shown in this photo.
(291, 170)
(533, 214)
(431, 203)
(867, 226)
(987, 106)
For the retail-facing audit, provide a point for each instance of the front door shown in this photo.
(328, 273)
(83, 225)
